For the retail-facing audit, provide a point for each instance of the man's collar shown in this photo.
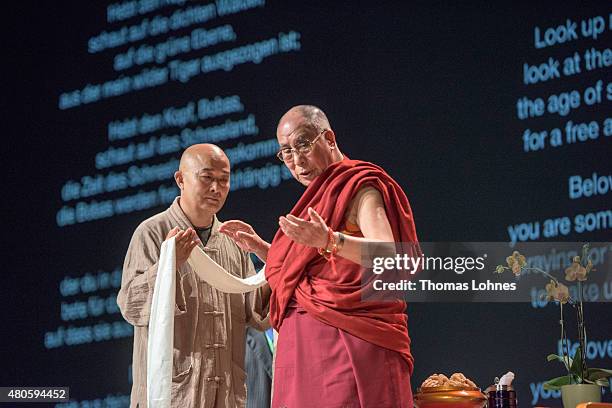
(184, 223)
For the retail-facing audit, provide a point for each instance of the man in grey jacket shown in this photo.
(209, 326)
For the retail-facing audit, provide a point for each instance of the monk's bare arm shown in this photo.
(368, 211)
(373, 223)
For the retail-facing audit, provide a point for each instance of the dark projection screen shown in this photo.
(494, 117)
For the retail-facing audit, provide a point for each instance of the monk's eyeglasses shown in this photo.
(303, 148)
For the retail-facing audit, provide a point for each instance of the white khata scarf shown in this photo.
(161, 323)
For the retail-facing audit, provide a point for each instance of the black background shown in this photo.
(427, 90)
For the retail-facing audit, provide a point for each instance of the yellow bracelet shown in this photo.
(326, 252)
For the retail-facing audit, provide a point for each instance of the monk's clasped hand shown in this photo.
(312, 233)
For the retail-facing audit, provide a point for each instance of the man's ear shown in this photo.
(330, 137)
(178, 177)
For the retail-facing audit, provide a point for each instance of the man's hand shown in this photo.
(185, 242)
(245, 237)
(311, 233)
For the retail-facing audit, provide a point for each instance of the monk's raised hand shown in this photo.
(242, 234)
(311, 233)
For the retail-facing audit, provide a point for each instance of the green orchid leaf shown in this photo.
(603, 382)
(597, 373)
(556, 383)
(576, 366)
(567, 361)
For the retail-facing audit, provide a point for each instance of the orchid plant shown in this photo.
(578, 271)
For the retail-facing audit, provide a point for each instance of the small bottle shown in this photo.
(501, 396)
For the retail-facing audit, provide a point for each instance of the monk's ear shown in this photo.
(178, 177)
(330, 137)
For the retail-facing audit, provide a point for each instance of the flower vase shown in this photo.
(574, 394)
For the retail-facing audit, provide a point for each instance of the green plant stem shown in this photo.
(548, 275)
(581, 330)
(581, 333)
(581, 326)
(564, 344)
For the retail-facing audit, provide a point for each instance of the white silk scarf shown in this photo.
(161, 322)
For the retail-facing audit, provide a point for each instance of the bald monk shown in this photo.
(209, 326)
(334, 350)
